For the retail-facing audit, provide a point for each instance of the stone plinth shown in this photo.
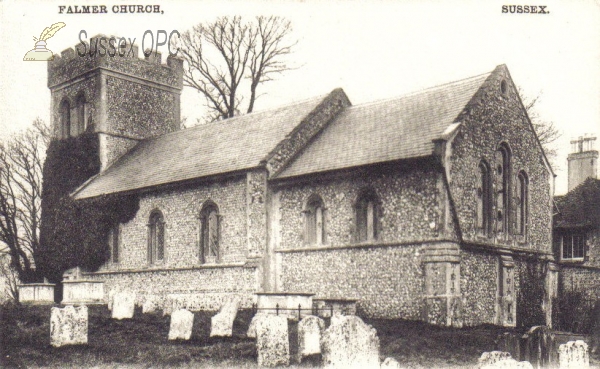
(83, 292)
(36, 293)
(350, 343)
(324, 307)
(272, 341)
(181, 325)
(69, 326)
(288, 303)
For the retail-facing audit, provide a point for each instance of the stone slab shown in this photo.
(123, 305)
(573, 354)
(310, 329)
(221, 325)
(272, 340)
(181, 325)
(350, 343)
(69, 326)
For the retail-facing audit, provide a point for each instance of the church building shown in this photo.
(433, 206)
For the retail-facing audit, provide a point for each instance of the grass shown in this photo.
(142, 342)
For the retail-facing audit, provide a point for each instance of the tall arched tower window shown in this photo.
(484, 198)
(314, 216)
(65, 119)
(209, 233)
(366, 209)
(156, 237)
(502, 169)
(522, 202)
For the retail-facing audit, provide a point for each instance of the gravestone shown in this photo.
(69, 326)
(182, 321)
(251, 333)
(573, 354)
(310, 329)
(272, 341)
(390, 363)
(150, 305)
(501, 359)
(123, 305)
(222, 323)
(539, 347)
(350, 343)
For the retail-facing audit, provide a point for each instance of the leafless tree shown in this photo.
(21, 160)
(228, 54)
(546, 130)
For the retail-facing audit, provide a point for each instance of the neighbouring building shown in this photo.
(432, 206)
(577, 232)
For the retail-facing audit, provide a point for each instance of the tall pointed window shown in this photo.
(65, 119)
(314, 221)
(156, 238)
(484, 199)
(366, 209)
(522, 203)
(113, 243)
(209, 233)
(502, 162)
(81, 107)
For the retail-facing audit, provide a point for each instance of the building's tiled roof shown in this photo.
(580, 207)
(226, 146)
(386, 130)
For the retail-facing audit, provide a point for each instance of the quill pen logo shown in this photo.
(40, 52)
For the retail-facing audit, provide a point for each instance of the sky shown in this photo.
(372, 49)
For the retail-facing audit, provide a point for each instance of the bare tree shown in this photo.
(21, 159)
(220, 57)
(546, 131)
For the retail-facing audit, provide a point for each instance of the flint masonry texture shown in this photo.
(222, 323)
(123, 305)
(272, 341)
(69, 326)
(350, 343)
(181, 325)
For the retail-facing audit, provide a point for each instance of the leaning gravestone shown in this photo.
(182, 321)
(501, 360)
(222, 323)
(69, 326)
(350, 343)
(123, 305)
(310, 329)
(272, 341)
(573, 354)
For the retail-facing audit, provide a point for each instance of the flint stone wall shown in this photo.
(479, 287)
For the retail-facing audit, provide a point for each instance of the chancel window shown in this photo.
(156, 238)
(366, 216)
(502, 169)
(522, 203)
(315, 221)
(484, 198)
(209, 233)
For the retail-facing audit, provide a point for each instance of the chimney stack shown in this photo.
(583, 160)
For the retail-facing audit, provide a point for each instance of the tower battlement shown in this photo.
(80, 60)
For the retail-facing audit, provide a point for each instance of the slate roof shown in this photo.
(386, 130)
(221, 147)
(580, 207)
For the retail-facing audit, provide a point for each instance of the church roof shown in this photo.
(221, 147)
(387, 130)
(580, 207)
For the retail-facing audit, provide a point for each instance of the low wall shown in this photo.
(201, 288)
(387, 281)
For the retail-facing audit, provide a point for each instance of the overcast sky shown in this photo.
(371, 49)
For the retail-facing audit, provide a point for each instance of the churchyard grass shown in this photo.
(142, 342)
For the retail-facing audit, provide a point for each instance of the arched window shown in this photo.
(484, 198)
(113, 243)
(156, 237)
(209, 233)
(65, 119)
(314, 216)
(502, 162)
(366, 209)
(81, 108)
(522, 202)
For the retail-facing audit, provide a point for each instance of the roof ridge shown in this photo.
(408, 94)
(234, 118)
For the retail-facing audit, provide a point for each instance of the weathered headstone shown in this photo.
(123, 305)
(390, 363)
(310, 329)
(573, 354)
(150, 305)
(181, 325)
(540, 349)
(272, 341)
(350, 343)
(222, 323)
(69, 326)
(500, 359)
(251, 333)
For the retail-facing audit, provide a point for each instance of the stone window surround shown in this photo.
(208, 207)
(314, 206)
(367, 208)
(156, 219)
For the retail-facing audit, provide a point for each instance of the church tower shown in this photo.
(122, 99)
